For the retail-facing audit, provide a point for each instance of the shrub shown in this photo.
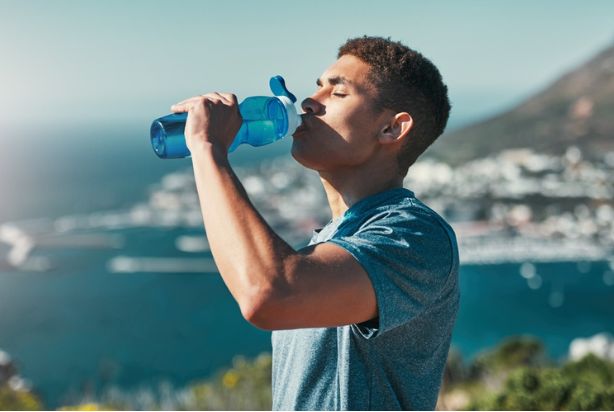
(511, 353)
(12, 400)
(582, 385)
(244, 386)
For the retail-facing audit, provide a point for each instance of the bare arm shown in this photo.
(276, 287)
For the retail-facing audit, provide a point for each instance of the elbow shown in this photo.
(258, 309)
(264, 302)
(257, 318)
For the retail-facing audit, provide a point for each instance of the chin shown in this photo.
(296, 154)
(300, 154)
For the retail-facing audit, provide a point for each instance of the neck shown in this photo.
(345, 188)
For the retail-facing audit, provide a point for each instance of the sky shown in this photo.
(72, 63)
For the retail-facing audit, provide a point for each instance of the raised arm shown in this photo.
(275, 286)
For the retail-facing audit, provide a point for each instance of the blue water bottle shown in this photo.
(265, 120)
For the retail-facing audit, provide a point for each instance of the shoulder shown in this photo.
(400, 232)
(401, 214)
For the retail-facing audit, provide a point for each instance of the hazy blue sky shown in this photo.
(70, 62)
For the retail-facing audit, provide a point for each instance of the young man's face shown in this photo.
(342, 122)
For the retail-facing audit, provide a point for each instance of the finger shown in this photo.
(185, 105)
(218, 97)
(229, 98)
(210, 100)
(181, 107)
(225, 98)
(188, 104)
(213, 98)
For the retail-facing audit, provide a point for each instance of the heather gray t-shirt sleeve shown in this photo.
(406, 253)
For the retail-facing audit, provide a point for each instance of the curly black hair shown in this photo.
(406, 81)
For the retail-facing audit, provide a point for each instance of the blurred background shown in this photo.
(109, 296)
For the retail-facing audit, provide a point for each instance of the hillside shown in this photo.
(577, 109)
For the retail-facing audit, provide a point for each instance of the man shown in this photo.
(362, 318)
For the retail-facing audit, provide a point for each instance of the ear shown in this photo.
(397, 129)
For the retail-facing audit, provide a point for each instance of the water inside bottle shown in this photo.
(277, 113)
(261, 132)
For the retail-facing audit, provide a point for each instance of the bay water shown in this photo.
(81, 327)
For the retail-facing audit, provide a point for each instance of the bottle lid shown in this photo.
(279, 89)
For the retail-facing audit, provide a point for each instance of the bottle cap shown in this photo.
(279, 89)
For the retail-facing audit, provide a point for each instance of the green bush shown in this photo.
(11, 400)
(244, 386)
(581, 385)
(511, 353)
(591, 369)
(516, 375)
(87, 407)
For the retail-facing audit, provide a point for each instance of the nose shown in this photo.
(312, 106)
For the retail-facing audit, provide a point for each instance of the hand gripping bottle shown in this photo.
(265, 120)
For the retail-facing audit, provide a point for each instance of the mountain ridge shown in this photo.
(577, 109)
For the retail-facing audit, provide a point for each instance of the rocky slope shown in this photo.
(576, 110)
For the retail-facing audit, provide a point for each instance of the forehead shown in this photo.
(349, 70)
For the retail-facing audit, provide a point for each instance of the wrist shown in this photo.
(209, 149)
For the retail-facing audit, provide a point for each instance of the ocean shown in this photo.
(81, 325)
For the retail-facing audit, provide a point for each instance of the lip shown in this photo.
(300, 129)
(303, 125)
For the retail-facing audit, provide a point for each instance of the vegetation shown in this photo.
(577, 386)
(11, 400)
(15, 394)
(244, 386)
(516, 375)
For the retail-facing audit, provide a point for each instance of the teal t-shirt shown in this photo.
(395, 361)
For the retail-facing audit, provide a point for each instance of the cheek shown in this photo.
(357, 123)
(343, 123)
(341, 138)
(360, 131)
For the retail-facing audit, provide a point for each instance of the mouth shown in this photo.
(302, 127)
(298, 130)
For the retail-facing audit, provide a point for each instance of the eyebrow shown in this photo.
(335, 80)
